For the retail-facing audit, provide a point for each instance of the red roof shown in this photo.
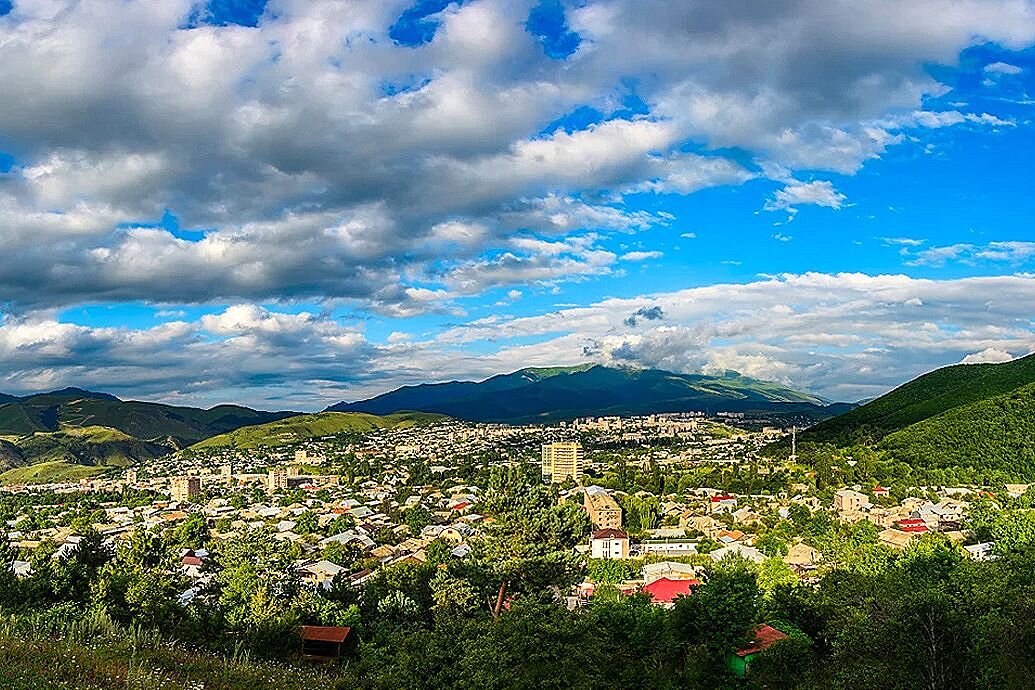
(610, 534)
(912, 525)
(191, 560)
(762, 637)
(727, 497)
(666, 590)
(322, 633)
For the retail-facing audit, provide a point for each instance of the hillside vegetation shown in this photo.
(302, 427)
(922, 398)
(996, 433)
(91, 659)
(543, 395)
(76, 426)
(46, 472)
(977, 418)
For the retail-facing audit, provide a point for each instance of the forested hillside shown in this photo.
(991, 434)
(922, 398)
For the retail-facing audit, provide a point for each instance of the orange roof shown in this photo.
(763, 637)
(323, 633)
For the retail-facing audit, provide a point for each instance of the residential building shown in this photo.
(663, 591)
(563, 460)
(604, 512)
(183, 489)
(846, 501)
(609, 543)
(762, 637)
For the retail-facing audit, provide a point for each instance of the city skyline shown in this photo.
(288, 204)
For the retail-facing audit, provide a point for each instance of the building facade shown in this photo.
(185, 489)
(604, 512)
(563, 460)
(609, 543)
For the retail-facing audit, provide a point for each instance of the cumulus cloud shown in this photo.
(316, 158)
(989, 355)
(1014, 253)
(845, 336)
(654, 313)
(816, 193)
(1002, 68)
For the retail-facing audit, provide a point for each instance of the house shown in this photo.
(848, 501)
(896, 539)
(723, 503)
(663, 591)
(762, 638)
(880, 492)
(729, 536)
(668, 569)
(915, 525)
(981, 552)
(801, 555)
(747, 552)
(609, 543)
(321, 573)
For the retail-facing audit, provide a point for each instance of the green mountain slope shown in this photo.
(46, 472)
(993, 434)
(76, 426)
(923, 398)
(301, 427)
(539, 395)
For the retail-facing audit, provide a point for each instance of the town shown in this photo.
(664, 496)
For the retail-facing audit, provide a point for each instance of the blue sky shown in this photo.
(290, 203)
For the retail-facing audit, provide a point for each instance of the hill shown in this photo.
(993, 434)
(557, 393)
(83, 427)
(301, 427)
(923, 398)
(47, 472)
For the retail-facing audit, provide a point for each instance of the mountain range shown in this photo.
(551, 394)
(89, 428)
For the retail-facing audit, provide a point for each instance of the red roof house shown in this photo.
(762, 637)
(665, 590)
(912, 525)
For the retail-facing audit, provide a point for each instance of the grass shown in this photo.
(301, 427)
(91, 657)
(46, 472)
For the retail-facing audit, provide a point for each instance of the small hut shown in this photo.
(320, 642)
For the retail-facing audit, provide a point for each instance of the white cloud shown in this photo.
(817, 193)
(989, 355)
(286, 135)
(641, 256)
(1002, 68)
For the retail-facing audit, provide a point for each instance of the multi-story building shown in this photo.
(846, 501)
(609, 543)
(185, 489)
(604, 512)
(563, 460)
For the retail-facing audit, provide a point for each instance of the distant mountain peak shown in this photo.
(564, 392)
(74, 392)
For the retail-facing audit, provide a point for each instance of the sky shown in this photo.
(288, 203)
